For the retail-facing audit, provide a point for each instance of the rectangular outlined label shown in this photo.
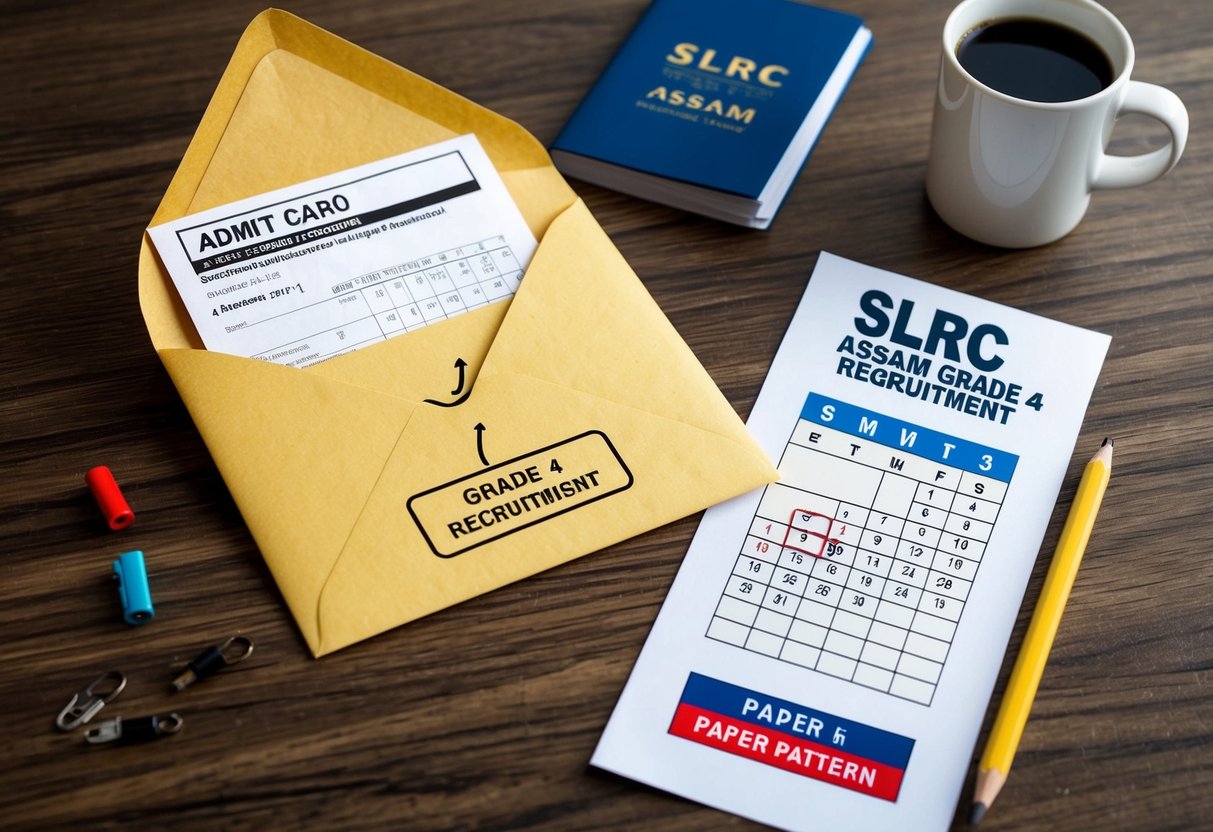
(505, 498)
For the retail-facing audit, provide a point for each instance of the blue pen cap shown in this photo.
(133, 589)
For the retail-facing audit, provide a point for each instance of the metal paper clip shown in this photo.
(213, 659)
(121, 731)
(84, 705)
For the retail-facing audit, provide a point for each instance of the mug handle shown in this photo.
(1157, 103)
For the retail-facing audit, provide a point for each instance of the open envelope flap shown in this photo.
(591, 421)
(583, 319)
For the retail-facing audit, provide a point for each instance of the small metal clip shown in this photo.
(213, 659)
(84, 705)
(133, 731)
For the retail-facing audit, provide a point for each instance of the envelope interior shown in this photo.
(296, 121)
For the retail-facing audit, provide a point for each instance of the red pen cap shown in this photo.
(109, 498)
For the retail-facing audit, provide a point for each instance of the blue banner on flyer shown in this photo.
(792, 737)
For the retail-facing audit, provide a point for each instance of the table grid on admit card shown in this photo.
(859, 561)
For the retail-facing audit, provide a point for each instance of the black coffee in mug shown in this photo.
(1035, 60)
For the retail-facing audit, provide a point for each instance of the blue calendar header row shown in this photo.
(905, 436)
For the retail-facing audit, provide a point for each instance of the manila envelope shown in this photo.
(394, 481)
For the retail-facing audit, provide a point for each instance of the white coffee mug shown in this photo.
(1017, 173)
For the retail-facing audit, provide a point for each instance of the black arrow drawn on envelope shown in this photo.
(460, 364)
(480, 442)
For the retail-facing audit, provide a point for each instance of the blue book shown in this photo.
(714, 105)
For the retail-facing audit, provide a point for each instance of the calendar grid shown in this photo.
(866, 583)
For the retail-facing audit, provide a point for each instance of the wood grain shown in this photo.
(484, 715)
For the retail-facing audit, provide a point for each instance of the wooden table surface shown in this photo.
(485, 715)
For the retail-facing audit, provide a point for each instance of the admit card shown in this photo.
(829, 646)
(309, 272)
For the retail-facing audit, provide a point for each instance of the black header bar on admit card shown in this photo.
(319, 215)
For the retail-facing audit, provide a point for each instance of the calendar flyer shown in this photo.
(830, 644)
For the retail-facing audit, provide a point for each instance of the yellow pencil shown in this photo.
(1008, 727)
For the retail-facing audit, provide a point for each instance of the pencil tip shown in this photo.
(978, 812)
(1107, 441)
